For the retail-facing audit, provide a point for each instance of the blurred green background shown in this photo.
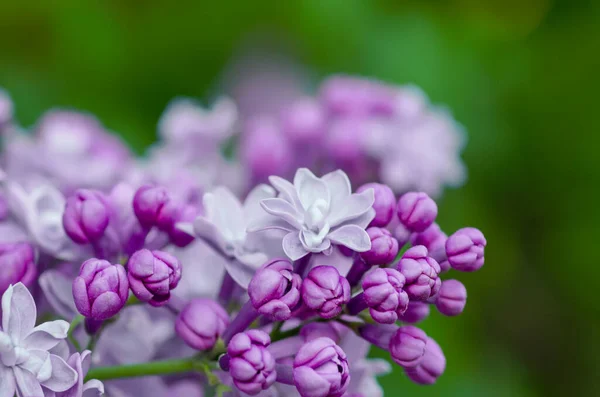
(522, 76)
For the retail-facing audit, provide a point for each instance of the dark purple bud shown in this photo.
(275, 289)
(452, 298)
(384, 247)
(325, 291)
(101, 289)
(433, 238)
(251, 365)
(402, 234)
(421, 272)
(431, 367)
(465, 249)
(16, 264)
(304, 121)
(201, 322)
(86, 216)
(407, 346)
(384, 296)
(187, 213)
(384, 205)
(416, 312)
(416, 210)
(153, 206)
(152, 275)
(321, 369)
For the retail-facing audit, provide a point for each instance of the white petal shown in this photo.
(352, 207)
(57, 289)
(38, 363)
(286, 190)
(46, 335)
(268, 223)
(310, 188)
(282, 209)
(292, 246)
(7, 382)
(27, 384)
(251, 207)
(63, 376)
(362, 221)
(186, 227)
(18, 312)
(209, 232)
(325, 245)
(351, 236)
(225, 210)
(242, 272)
(86, 361)
(339, 186)
(61, 349)
(93, 387)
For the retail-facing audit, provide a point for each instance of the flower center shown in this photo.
(315, 215)
(8, 354)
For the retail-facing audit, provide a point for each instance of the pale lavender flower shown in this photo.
(319, 212)
(80, 362)
(26, 366)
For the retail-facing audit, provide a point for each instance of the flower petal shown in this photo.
(292, 246)
(27, 384)
(225, 210)
(268, 223)
(351, 236)
(339, 186)
(38, 363)
(286, 190)
(57, 289)
(93, 387)
(186, 227)
(210, 233)
(7, 386)
(63, 376)
(46, 335)
(242, 270)
(362, 221)
(251, 207)
(282, 209)
(310, 188)
(351, 207)
(18, 312)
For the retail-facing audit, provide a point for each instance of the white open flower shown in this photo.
(224, 226)
(317, 212)
(25, 363)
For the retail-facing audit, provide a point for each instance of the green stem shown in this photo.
(76, 321)
(164, 367)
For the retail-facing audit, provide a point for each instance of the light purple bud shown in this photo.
(16, 264)
(153, 206)
(431, 367)
(402, 234)
(251, 365)
(384, 296)
(421, 272)
(321, 369)
(416, 210)
(384, 247)
(344, 141)
(433, 238)
(86, 216)
(465, 249)
(304, 121)
(101, 289)
(325, 291)
(345, 95)
(407, 346)
(152, 275)
(452, 298)
(265, 149)
(384, 205)
(201, 322)
(332, 330)
(275, 289)
(6, 109)
(416, 312)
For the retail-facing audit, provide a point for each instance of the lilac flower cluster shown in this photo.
(249, 276)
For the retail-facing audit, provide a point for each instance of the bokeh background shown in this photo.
(522, 76)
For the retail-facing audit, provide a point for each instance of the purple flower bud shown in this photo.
(321, 369)
(275, 289)
(178, 237)
(86, 216)
(304, 121)
(431, 367)
(6, 109)
(344, 95)
(384, 296)
(265, 150)
(3, 207)
(384, 247)
(17, 264)
(433, 238)
(402, 234)
(384, 205)
(452, 298)
(465, 249)
(153, 206)
(101, 289)
(152, 275)
(251, 365)
(416, 210)
(325, 291)
(332, 330)
(416, 312)
(201, 322)
(407, 346)
(421, 272)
